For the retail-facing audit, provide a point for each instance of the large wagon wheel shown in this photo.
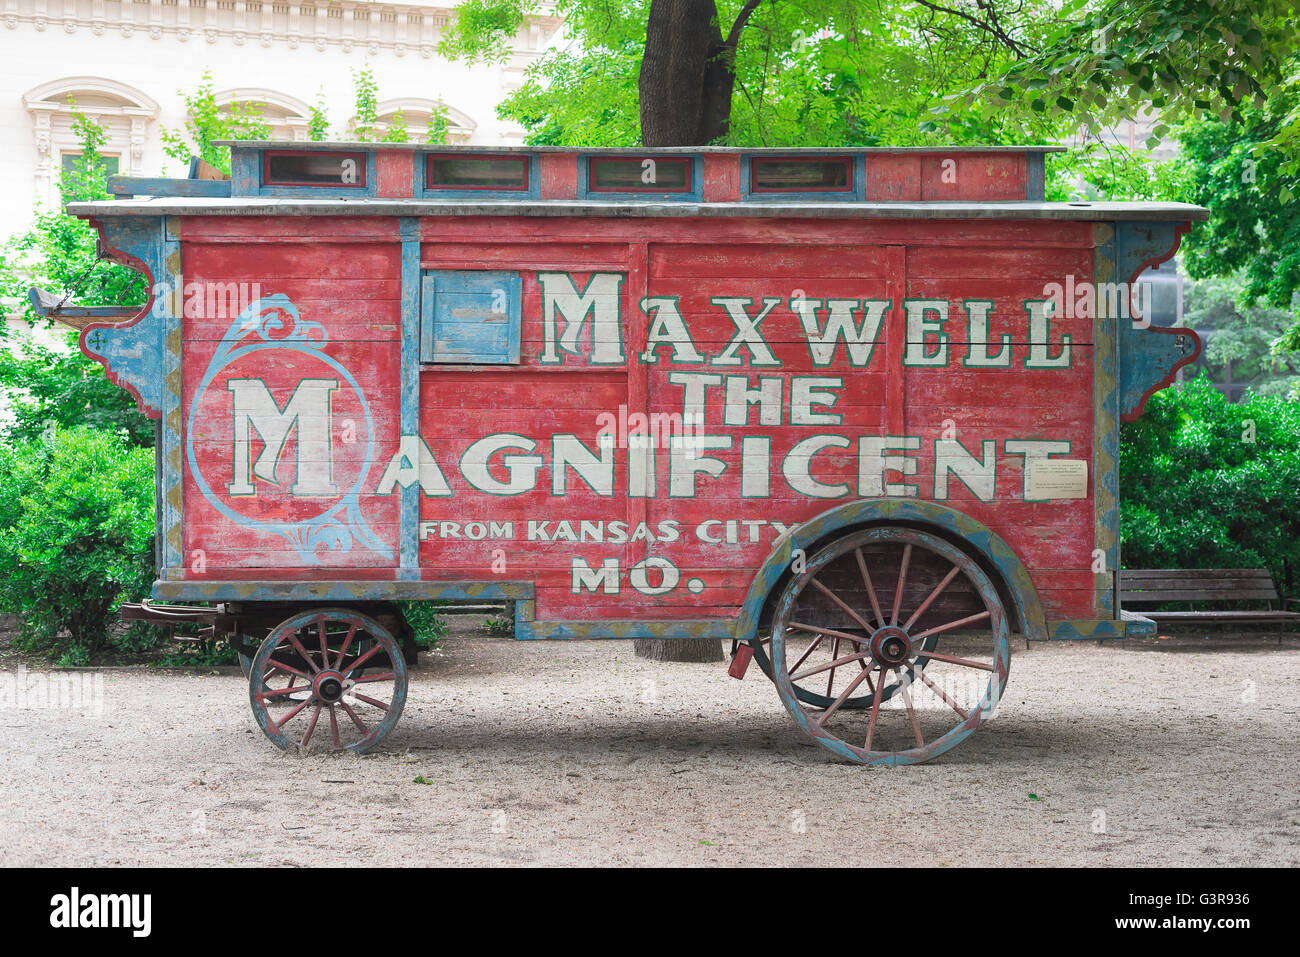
(919, 626)
(330, 678)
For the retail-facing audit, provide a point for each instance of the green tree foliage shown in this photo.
(46, 387)
(809, 73)
(365, 118)
(1238, 172)
(1209, 484)
(318, 124)
(206, 123)
(76, 537)
(1184, 58)
(1243, 334)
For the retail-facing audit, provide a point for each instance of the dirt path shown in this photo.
(580, 753)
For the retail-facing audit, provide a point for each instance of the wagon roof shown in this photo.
(280, 206)
(298, 146)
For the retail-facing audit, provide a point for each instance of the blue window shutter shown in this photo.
(470, 316)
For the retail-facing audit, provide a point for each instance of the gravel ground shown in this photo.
(1177, 752)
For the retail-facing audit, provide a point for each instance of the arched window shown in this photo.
(416, 113)
(286, 115)
(125, 112)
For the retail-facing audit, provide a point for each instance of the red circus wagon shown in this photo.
(855, 411)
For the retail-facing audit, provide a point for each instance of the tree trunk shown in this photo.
(679, 649)
(685, 89)
(687, 74)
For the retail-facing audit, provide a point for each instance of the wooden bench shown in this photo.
(1192, 585)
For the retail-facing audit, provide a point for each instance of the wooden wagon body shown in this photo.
(639, 393)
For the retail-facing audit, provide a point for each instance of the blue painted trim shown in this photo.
(1151, 356)
(856, 194)
(1035, 177)
(443, 341)
(1105, 447)
(369, 191)
(159, 186)
(245, 171)
(534, 190)
(348, 590)
(1101, 629)
(170, 481)
(694, 196)
(409, 229)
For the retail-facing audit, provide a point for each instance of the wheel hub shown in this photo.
(328, 687)
(891, 646)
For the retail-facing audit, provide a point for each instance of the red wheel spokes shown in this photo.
(363, 659)
(831, 664)
(334, 728)
(952, 624)
(278, 692)
(875, 711)
(933, 595)
(902, 577)
(324, 642)
(843, 605)
(287, 669)
(293, 640)
(953, 659)
(385, 676)
(835, 653)
(871, 591)
(911, 712)
(942, 694)
(291, 715)
(353, 715)
(311, 726)
(347, 643)
(371, 701)
(844, 696)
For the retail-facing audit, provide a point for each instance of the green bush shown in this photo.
(428, 625)
(76, 538)
(1208, 484)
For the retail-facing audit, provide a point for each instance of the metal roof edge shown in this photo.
(275, 206)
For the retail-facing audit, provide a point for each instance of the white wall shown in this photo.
(129, 58)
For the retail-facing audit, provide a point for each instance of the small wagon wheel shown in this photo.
(327, 679)
(921, 628)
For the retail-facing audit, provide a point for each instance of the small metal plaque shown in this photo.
(1057, 478)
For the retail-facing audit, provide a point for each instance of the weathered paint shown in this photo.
(341, 314)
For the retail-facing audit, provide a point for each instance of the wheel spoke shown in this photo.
(947, 579)
(911, 712)
(293, 640)
(902, 577)
(385, 676)
(363, 659)
(353, 715)
(844, 607)
(954, 660)
(347, 642)
(844, 696)
(871, 591)
(280, 692)
(817, 629)
(875, 710)
(371, 701)
(287, 669)
(324, 642)
(942, 694)
(948, 627)
(311, 726)
(291, 715)
(830, 680)
(334, 728)
(831, 664)
(808, 651)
